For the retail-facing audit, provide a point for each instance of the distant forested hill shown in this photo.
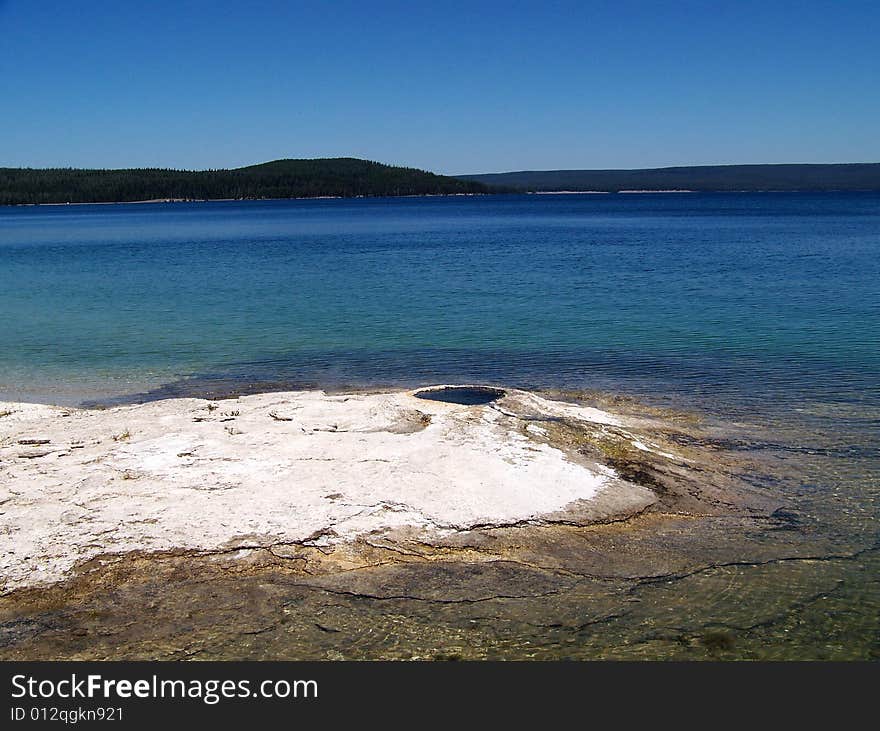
(848, 177)
(347, 177)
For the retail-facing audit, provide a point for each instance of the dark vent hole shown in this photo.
(465, 395)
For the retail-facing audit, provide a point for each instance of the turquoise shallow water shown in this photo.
(768, 296)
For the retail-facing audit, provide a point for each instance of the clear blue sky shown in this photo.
(454, 86)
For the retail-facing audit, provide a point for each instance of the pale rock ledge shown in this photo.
(268, 469)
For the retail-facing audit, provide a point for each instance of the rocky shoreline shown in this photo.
(304, 525)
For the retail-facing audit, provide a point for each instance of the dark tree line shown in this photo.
(345, 177)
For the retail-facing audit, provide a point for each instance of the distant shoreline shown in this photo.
(794, 178)
(56, 204)
(238, 200)
(617, 192)
(278, 179)
(331, 178)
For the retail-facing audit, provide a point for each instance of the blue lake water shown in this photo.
(760, 312)
(712, 296)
